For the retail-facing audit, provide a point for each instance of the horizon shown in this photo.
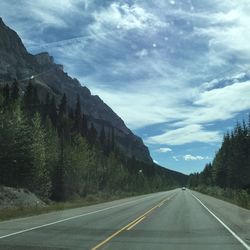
(171, 70)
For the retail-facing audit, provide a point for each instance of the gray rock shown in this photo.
(18, 198)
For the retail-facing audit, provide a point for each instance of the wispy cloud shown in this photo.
(164, 150)
(126, 17)
(184, 135)
(174, 65)
(175, 158)
(194, 158)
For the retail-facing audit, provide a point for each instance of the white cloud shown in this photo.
(142, 53)
(183, 135)
(156, 162)
(189, 157)
(228, 30)
(48, 13)
(216, 104)
(171, 92)
(164, 150)
(125, 17)
(175, 158)
(39, 15)
(138, 108)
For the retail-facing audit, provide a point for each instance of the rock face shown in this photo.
(16, 62)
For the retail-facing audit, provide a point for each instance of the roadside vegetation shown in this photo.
(228, 175)
(25, 211)
(55, 152)
(237, 197)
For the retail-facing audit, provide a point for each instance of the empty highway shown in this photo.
(174, 219)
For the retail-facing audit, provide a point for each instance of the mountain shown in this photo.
(17, 63)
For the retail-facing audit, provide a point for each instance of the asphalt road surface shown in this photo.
(174, 219)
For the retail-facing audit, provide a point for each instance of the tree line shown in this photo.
(230, 168)
(57, 153)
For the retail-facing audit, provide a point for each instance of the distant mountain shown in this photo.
(16, 62)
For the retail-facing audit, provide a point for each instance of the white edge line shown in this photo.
(71, 218)
(223, 224)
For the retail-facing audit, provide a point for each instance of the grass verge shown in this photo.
(11, 213)
(237, 197)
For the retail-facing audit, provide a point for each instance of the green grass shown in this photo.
(237, 197)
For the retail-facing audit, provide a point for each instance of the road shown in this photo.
(174, 219)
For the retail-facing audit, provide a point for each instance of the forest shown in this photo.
(55, 152)
(228, 175)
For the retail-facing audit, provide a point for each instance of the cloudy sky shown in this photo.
(176, 71)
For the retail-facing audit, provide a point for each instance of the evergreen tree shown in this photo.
(35, 101)
(15, 91)
(78, 115)
(102, 138)
(45, 108)
(40, 183)
(28, 98)
(6, 95)
(92, 134)
(15, 148)
(84, 122)
(231, 165)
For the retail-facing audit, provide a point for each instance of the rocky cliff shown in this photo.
(16, 62)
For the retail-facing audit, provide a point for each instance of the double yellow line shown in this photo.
(132, 223)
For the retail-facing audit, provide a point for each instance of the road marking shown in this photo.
(223, 224)
(162, 203)
(131, 224)
(71, 218)
(137, 222)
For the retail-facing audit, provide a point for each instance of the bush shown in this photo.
(238, 197)
(243, 198)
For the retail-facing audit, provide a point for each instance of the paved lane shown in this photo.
(167, 220)
(80, 228)
(181, 223)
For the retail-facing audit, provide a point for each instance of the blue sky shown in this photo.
(177, 72)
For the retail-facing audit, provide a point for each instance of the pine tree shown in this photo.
(92, 134)
(84, 122)
(28, 98)
(61, 116)
(6, 95)
(35, 101)
(78, 115)
(15, 148)
(40, 183)
(14, 91)
(45, 107)
(102, 137)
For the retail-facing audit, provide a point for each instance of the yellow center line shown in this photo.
(160, 204)
(133, 225)
(130, 225)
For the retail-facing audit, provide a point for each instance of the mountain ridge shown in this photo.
(17, 63)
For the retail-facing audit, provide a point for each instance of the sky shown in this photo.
(177, 72)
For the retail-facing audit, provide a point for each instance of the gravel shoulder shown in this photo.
(18, 198)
